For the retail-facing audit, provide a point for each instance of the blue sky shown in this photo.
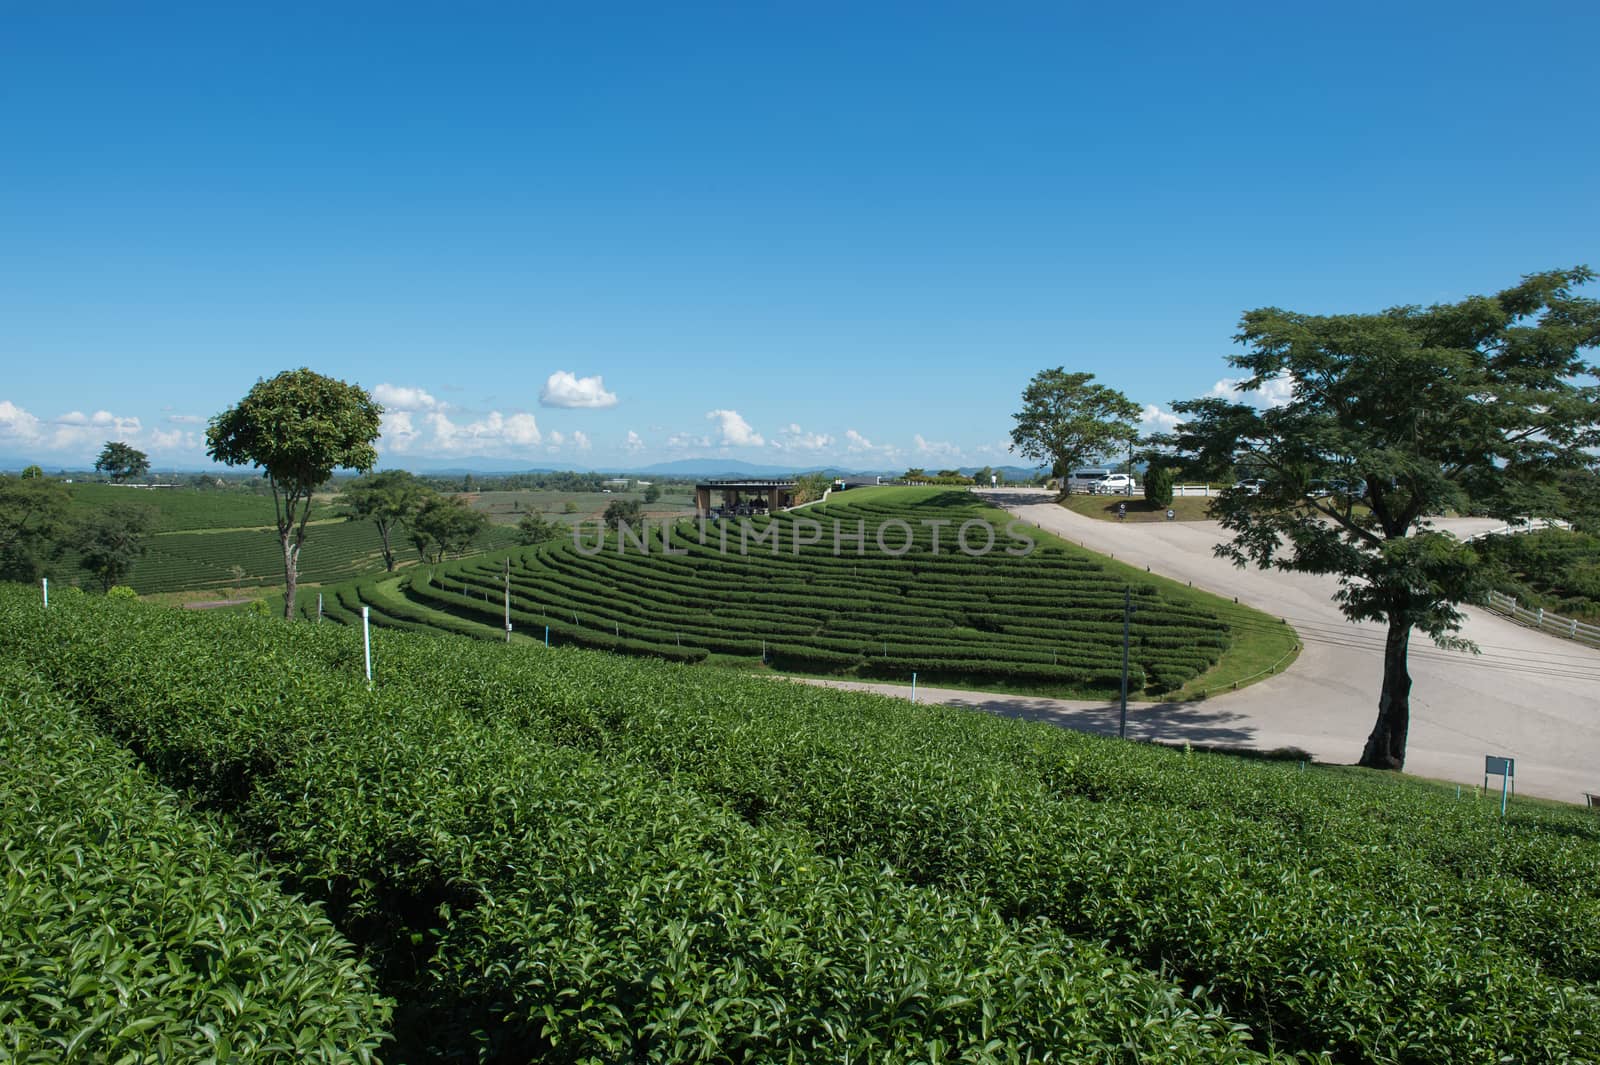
(786, 233)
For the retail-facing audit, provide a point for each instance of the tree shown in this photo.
(121, 462)
(1400, 415)
(445, 525)
(33, 512)
(914, 474)
(387, 499)
(110, 541)
(652, 493)
(1158, 484)
(535, 528)
(810, 487)
(298, 427)
(1066, 421)
(32, 473)
(620, 510)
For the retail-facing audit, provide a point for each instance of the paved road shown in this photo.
(1531, 696)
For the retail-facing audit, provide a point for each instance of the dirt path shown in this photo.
(1530, 696)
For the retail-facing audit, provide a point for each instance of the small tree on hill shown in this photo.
(121, 462)
(1400, 415)
(1066, 421)
(535, 528)
(445, 525)
(388, 500)
(652, 493)
(298, 427)
(620, 510)
(110, 541)
(32, 473)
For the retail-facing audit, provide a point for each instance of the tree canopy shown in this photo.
(1066, 421)
(445, 525)
(111, 541)
(388, 500)
(33, 511)
(298, 427)
(1392, 418)
(121, 462)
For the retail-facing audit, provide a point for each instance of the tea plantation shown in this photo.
(560, 855)
(807, 597)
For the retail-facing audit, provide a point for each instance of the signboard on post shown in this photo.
(1506, 770)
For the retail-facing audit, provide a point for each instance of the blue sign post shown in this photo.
(1506, 770)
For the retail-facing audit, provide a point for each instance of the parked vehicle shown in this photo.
(1084, 480)
(1115, 484)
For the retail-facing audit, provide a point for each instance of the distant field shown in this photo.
(182, 509)
(202, 535)
(507, 508)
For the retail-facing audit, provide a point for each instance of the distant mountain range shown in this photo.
(678, 468)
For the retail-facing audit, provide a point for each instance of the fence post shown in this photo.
(366, 640)
(1539, 622)
(46, 582)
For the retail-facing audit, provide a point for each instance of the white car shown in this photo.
(1117, 484)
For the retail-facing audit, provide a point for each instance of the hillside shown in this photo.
(569, 856)
(1015, 609)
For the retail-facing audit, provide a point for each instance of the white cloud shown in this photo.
(683, 441)
(77, 430)
(76, 437)
(403, 398)
(580, 440)
(17, 424)
(185, 419)
(855, 442)
(398, 431)
(935, 449)
(793, 438)
(1274, 392)
(556, 439)
(1155, 420)
(493, 432)
(173, 439)
(735, 431)
(566, 389)
(634, 443)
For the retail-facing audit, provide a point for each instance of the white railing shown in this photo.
(1522, 525)
(1195, 490)
(1544, 620)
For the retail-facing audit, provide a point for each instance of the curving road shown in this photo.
(1527, 695)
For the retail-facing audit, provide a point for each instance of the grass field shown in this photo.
(508, 507)
(217, 541)
(1049, 623)
(1184, 508)
(567, 856)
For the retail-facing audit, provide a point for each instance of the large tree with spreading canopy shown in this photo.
(1392, 418)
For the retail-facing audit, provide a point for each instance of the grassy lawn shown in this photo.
(1184, 508)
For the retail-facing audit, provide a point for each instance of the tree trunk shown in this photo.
(291, 571)
(388, 553)
(1386, 747)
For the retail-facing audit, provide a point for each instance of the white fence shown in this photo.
(1196, 490)
(1544, 620)
(1522, 525)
